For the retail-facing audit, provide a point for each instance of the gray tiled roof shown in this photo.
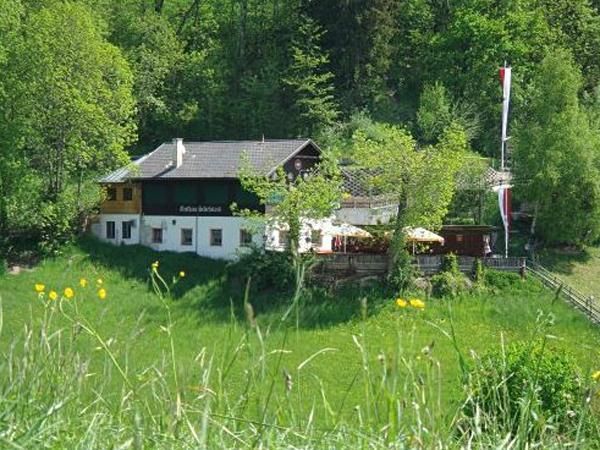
(215, 159)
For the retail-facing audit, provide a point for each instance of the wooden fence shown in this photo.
(430, 264)
(587, 304)
(357, 263)
(377, 264)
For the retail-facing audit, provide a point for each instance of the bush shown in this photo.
(450, 282)
(267, 269)
(3, 266)
(526, 386)
(501, 280)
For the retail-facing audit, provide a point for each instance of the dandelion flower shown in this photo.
(99, 282)
(101, 293)
(181, 274)
(69, 293)
(401, 303)
(596, 375)
(83, 282)
(52, 295)
(39, 287)
(155, 266)
(416, 303)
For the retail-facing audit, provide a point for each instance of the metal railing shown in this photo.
(585, 303)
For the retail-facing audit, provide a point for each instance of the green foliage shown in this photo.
(556, 163)
(435, 112)
(266, 270)
(450, 282)
(526, 382)
(310, 83)
(200, 340)
(401, 272)
(478, 272)
(69, 104)
(423, 179)
(501, 280)
(313, 196)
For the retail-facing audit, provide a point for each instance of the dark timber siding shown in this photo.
(195, 197)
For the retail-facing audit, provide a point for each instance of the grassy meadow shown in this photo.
(581, 269)
(202, 368)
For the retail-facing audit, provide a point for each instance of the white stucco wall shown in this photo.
(201, 226)
(99, 228)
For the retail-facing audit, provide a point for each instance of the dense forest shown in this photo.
(85, 84)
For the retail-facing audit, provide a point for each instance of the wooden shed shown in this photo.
(468, 240)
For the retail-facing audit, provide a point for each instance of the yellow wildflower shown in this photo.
(181, 274)
(99, 282)
(596, 375)
(401, 303)
(69, 293)
(155, 265)
(39, 287)
(52, 295)
(82, 282)
(416, 303)
(101, 293)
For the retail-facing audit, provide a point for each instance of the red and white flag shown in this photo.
(504, 202)
(505, 81)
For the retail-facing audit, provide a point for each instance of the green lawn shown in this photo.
(344, 366)
(580, 269)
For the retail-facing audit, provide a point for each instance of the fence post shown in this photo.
(522, 269)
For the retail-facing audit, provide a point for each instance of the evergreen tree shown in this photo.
(310, 82)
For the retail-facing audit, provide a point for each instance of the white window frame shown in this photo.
(126, 225)
(184, 242)
(210, 237)
(154, 240)
(110, 225)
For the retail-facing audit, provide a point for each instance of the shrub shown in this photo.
(448, 284)
(478, 272)
(525, 388)
(501, 280)
(267, 269)
(3, 266)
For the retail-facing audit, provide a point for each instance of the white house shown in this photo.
(178, 197)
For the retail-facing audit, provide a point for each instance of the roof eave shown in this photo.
(294, 153)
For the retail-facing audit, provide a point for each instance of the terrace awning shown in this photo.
(422, 235)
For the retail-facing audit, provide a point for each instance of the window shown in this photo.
(284, 239)
(126, 228)
(111, 194)
(186, 236)
(245, 238)
(157, 235)
(110, 230)
(316, 238)
(216, 238)
(127, 194)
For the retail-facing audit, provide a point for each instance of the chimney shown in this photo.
(178, 152)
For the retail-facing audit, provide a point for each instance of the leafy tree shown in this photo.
(290, 202)
(556, 157)
(68, 108)
(421, 180)
(435, 112)
(309, 81)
